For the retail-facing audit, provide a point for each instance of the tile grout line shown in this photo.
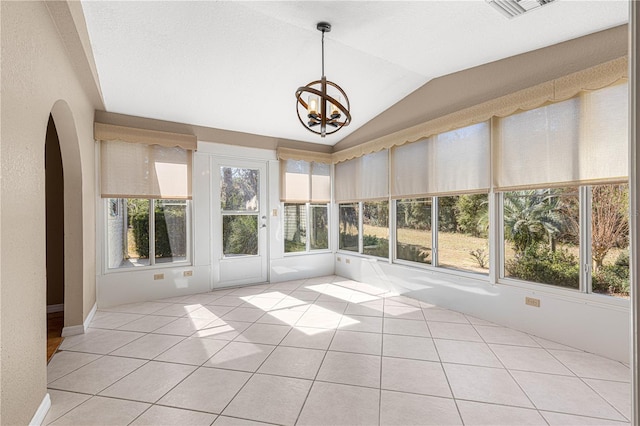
(315, 377)
(335, 330)
(510, 375)
(185, 378)
(587, 384)
(453, 396)
(255, 372)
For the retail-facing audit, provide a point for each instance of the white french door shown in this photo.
(239, 221)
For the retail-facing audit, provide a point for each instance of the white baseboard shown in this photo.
(72, 330)
(55, 308)
(89, 318)
(80, 329)
(41, 412)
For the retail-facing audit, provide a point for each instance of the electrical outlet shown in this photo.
(347, 260)
(158, 276)
(274, 212)
(187, 273)
(339, 259)
(532, 302)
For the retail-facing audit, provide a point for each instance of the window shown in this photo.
(146, 184)
(542, 236)
(296, 232)
(462, 238)
(137, 238)
(319, 227)
(295, 228)
(413, 230)
(375, 228)
(239, 206)
(610, 239)
(369, 219)
(305, 188)
(551, 177)
(349, 227)
(170, 230)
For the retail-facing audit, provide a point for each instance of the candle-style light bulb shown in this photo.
(313, 105)
(334, 110)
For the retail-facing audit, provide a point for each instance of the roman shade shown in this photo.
(133, 165)
(583, 140)
(363, 178)
(302, 181)
(453, 162)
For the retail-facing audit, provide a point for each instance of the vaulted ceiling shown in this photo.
(235, 65)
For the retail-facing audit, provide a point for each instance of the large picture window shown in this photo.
(542, 236)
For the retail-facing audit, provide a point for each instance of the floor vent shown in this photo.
(513, 8)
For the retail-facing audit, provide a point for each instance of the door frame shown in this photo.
(218, 261)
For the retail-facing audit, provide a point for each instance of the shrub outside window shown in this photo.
(349, 227)
(463, 225)
(136, 238)
(295, 228)
(319, 227)
(610, 239)
(305, 227)
(375, 228)
(413, 230)
(542, 236)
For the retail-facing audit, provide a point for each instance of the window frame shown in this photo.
(584, 292)
(308, 250)
(106, 205)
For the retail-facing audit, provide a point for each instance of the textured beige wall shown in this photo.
(472, 86)
(38, 73)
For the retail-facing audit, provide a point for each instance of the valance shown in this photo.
(111, 132)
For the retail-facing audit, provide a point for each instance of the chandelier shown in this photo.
(324, 108)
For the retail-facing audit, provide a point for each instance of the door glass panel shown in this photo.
(239, 189)
(240, 235)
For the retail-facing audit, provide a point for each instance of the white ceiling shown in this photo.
(235, 65)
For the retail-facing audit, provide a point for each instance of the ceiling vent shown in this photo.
(513, 8)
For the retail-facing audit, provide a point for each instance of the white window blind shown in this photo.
(347, 176)
(451, 162)
(374, 175)
(363, 178)
(578, 141)
(136, 170)
(320, 183)
(303, 181)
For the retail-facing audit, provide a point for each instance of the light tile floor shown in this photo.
(322, 351)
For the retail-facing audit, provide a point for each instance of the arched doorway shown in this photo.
(65, 224)
(54, 199)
